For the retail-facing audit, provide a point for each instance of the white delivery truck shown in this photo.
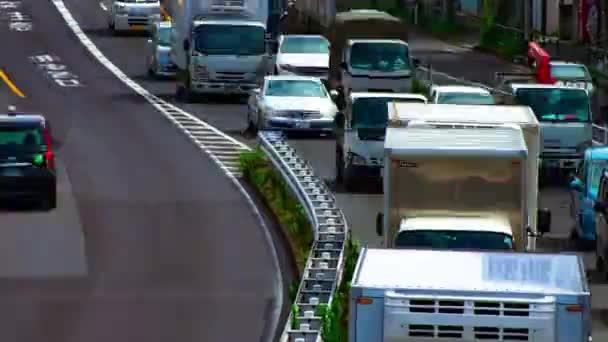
(359, 131)
(456, 187)
(419, 295)
(219, 46)
(523, 116)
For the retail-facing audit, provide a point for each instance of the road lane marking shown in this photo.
(10, 84)
(175, 115)
(103, 6)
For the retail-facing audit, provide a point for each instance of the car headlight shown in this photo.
(356, 159)
(582, 147)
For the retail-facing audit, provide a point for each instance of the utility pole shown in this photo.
(526, 20)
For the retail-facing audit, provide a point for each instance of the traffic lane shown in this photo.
(449, 59)
(164, 227)
(128, 52)
(36, 243)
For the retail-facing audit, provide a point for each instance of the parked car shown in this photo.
(158, 51)
(464, 95)
(304, 55)
(291, 103)
(601, 226)
(584, 192)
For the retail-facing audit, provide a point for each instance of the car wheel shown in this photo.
(50, 201)
(251, 127)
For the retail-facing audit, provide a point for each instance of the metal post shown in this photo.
(526, 20)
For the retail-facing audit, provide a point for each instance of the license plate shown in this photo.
(581, 85)
(138, 27)
(302, 124)
(10, 171)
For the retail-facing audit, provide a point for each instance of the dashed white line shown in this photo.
(103, 6)
(182, 119)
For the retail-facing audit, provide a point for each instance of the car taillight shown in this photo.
(49, 158)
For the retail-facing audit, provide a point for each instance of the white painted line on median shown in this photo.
(175, 115)
(103, 6)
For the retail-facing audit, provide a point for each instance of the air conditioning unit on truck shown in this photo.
(219, 46)
(400, 114)
(418, 295)
(457, 186)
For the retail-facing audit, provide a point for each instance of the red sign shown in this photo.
(587, 20)
(541, 59)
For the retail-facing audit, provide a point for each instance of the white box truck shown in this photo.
(418, 295)
(219, 46)
(523, 116)
(456, 188)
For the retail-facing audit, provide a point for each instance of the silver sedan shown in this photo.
(291, 103)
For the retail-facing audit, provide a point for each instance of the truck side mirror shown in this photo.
(543, 220)
(186, 45)
(416, 62)
(339, 120)
(599, 207)
(379, 223)
(334, 95)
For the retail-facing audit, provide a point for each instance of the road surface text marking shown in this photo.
(103, 6)
(17, 21)
(10, 84)
(56, 71)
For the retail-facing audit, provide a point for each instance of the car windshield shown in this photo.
(297, 88)
(230, 40)
(164, 35)
(465, 99)
(438, 239)
(570, 72)
(556, 104)
(20, 138)
(379, 57)
(595, 173)
(305, 45)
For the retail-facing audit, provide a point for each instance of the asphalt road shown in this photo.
(128, 51)
(150, 242)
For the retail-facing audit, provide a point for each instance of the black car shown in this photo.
(27, 163)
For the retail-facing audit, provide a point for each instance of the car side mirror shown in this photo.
(543, 220)
(379, 224)
(417, 62)
(186, 45)
(343, 65)
(339, 120)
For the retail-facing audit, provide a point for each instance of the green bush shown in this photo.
(505, 43)
(335, 316)
(418, 87)
(258, 171)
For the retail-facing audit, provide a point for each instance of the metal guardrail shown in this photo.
(325, 263)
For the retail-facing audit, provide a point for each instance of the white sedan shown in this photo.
(291, 103)
(464, 95)
(304, 55)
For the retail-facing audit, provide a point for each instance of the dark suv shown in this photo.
(27, 164)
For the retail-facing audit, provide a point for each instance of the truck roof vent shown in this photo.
(228, 6)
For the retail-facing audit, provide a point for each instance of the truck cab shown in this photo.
(359, 131)
(565, 117)
(455, 232)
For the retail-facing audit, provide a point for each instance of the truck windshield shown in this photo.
(440, 239)
(466, 99)
(370, 115)
(556, 104)
(230, 40)
(569, 72)
(379, 57)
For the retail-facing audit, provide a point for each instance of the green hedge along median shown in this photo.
(335, 316)
(259, 172)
